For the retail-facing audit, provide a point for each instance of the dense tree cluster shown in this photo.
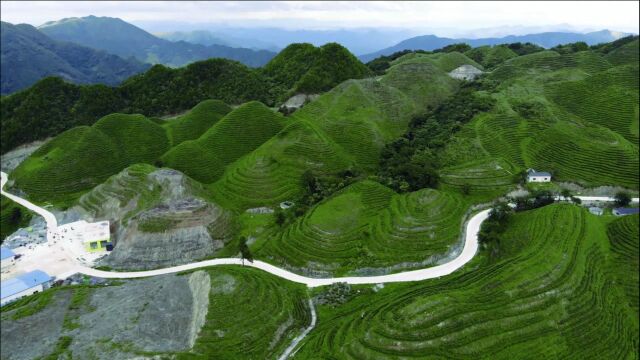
(412, 162)
(492, 228)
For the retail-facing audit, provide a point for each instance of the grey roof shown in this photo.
(5, 253)
(23, 282)
(532, 172)
(627, 211)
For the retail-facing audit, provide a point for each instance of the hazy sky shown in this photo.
(450, 17)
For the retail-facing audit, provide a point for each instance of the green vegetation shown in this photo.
(83, 157)
(237, 134)
(550, 294)
(251, 315)
(367, 225)
(12, 217)
(198, 120)
(52, 106)
(574, 115)
(304, 68)
(623, 236)
(30, 305)
(156, 225)
(491, 56)
(411, 162)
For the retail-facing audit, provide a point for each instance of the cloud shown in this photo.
(454, 16)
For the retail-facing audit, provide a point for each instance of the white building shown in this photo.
(23, 285)
(7, 258)
(538, 176)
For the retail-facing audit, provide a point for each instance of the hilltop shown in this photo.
(28, 55)
(304, 68)
(121, 38)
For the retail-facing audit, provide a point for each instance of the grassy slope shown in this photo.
(83, 157)
(583, 126)
(368, 225)
(345, 127)
(237, 134)
(551, 294)
(252, 315)
(198, 120)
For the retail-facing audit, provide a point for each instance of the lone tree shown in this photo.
(622, 198)
(245, 253)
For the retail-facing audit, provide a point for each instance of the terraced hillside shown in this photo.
(251, 315)
(159, 218)
(83, 157)
(623, 236)
(550, 294)
(238, 133)
(367, 225)
(271, 174)
(344, 128)
(575, 115)
(193, 124)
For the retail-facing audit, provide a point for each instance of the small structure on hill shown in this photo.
(286, 204)
(7, 258)
(94, 236)
(465, 72)
(625, 211)
(596, 210)
(23, 285)
(538, 176)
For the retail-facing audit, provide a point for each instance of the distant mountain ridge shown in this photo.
(29, 55)
(121, 38)
(546, 39)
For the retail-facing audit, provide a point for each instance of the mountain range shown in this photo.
(124, 39)
(546, 39)
(28, 56)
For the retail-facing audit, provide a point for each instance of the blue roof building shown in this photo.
(6, 253)
(11, 289)
(625, 211)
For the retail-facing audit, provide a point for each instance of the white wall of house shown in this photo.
(27, 292)
(538, 178)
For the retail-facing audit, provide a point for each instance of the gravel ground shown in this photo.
(36, 335)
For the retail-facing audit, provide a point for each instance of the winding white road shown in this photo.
(469, 250)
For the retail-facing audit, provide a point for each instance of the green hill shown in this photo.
(575, 115)
(304, 68)
(236, 134)
(367, 225)
(198, 120)
(490, 56)
(551, 293)
(84, 156)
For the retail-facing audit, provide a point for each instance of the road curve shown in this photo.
(468, 252)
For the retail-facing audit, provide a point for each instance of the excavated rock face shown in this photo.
(296, 102)
(161, 218)
(465, 72)
(160, 314)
